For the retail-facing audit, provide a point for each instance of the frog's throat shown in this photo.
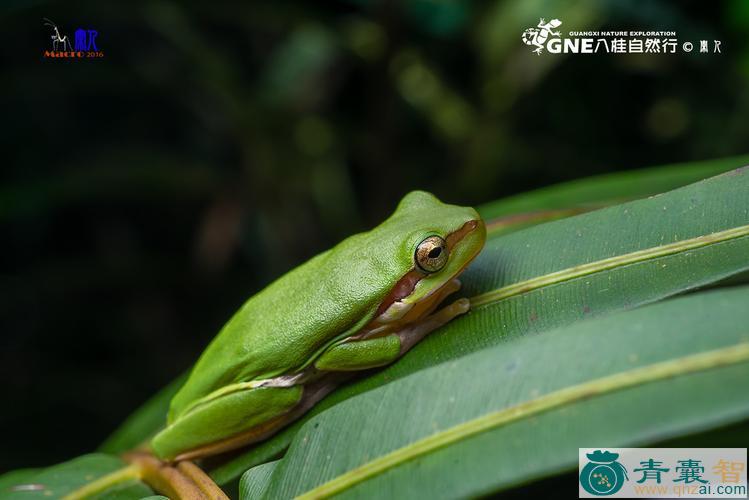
(407, 284)
(396, 311)
(409, 314)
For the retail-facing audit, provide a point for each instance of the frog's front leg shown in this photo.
(355, 354)
(414, 333)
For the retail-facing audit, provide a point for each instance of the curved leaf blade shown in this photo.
(585, 195)
(255, 481)
(508, 403)
(610, 188)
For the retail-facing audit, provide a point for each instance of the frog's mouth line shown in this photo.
(406, 285)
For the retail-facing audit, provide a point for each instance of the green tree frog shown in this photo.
(361, 304)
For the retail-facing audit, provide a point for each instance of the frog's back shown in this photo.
(277, 330)
(283, 327)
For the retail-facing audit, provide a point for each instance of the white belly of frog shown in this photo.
(537, 36)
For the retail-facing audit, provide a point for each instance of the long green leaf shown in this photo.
(564, 271)
(610, 188)
(584, 195)
(255, 481)
(520, 410)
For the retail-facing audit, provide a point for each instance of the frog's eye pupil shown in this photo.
(431, 254)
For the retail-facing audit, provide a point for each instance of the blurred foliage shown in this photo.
(146, 195)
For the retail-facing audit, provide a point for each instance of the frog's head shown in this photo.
(437, 242)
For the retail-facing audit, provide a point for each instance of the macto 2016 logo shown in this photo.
(84, 45)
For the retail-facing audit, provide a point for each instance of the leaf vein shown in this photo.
(570, 273)
(731, 355)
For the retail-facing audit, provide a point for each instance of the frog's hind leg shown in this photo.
(179, 478)
(312, 392)
(183, 480)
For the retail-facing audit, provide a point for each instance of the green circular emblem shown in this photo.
(603, 475)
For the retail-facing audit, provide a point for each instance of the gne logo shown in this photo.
(546, 37)
(537, 36)
(85, 44)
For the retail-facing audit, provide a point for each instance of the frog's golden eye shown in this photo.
(431, 254)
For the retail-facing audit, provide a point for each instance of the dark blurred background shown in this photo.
(145, 195)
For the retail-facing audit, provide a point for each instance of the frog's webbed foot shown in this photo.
(447, 289)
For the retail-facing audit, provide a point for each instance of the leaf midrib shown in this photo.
(614, 262)
(727, 356)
